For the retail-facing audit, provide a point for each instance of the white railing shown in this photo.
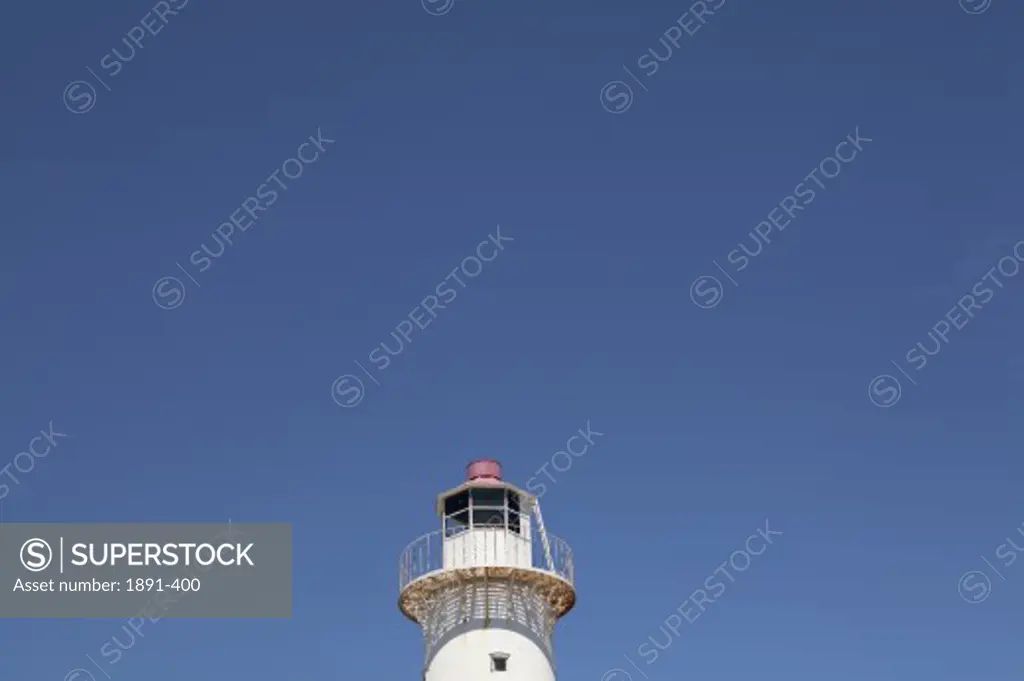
(489, 547)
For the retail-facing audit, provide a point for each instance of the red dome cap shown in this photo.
(483, 470)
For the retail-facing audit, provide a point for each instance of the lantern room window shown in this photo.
(487, 506)
(482, 507)
(456, 514)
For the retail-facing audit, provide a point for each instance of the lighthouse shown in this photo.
(488, 587)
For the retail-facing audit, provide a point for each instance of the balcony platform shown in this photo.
(414, 598)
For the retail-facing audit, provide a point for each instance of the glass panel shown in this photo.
(489, 517)
(483, 496)
(454, 524)
(456, 502)
(514, 522)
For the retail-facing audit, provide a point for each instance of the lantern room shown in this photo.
(485, 521)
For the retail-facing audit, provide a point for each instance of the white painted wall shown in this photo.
(468, 658)
(484, 546)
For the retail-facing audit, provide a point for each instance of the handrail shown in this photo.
(426, 554)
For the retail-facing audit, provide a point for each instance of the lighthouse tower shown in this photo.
(488, 587)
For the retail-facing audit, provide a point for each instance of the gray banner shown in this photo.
(153, 570)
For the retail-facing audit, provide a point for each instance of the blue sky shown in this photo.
(445, 127)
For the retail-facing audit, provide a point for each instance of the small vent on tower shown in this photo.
(499, 662)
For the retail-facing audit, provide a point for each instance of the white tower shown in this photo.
(488, 587)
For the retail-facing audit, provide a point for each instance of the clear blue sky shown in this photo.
(445, 127)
